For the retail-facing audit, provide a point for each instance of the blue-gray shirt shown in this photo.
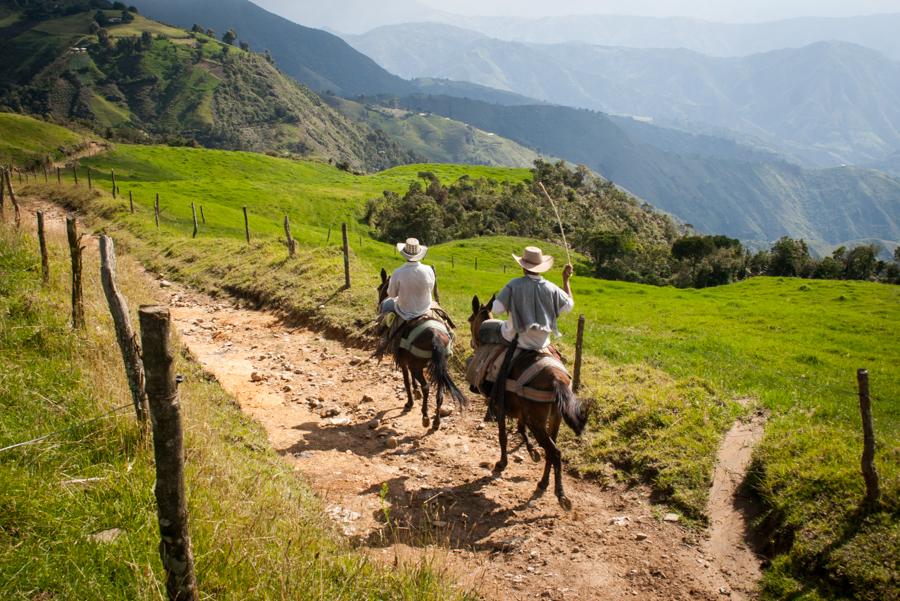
(533, 302)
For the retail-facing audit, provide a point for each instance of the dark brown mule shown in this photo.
(541, 418)
(415, 368)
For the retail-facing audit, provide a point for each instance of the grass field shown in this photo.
(27, 142)
(666, 367)
(258, 531)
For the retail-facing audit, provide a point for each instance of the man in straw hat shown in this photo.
(533, 303)
(409, 291)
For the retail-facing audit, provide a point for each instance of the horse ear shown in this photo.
(476, 305)
(491, 302)
(383, 275)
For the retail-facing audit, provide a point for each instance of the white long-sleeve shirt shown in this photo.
(533, 338)
(411, 286)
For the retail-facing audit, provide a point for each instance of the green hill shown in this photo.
(28, 142)
(665, 366)
(145, 81)
(438, 139)
(753, 200)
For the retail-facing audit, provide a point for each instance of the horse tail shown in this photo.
(571, 409)
(439, 370)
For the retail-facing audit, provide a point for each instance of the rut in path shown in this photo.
(336, 415)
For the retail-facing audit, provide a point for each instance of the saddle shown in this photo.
(401, 334)
(485, 365)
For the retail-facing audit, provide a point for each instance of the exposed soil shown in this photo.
(403, 490)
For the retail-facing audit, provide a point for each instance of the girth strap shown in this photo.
(406, 343)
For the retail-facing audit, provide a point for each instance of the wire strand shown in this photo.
(72, 427)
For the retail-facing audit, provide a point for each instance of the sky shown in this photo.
(715, 10)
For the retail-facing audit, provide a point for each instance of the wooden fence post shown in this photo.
(58, 177)
(346, 256)
(476, 263)
(112, 174)
(328, 238)
(75, 252)
(75, 174)
(202, 216)
(156, 210)
(46, 177)
(3, 194)
(130, 201)
(168, 450)
(42, 241)
(579, 348)
(12, 197)
(870, 475)
(118, 308)
(292, 246)
(453, 261)
(90, 180)
(435, 292)
(246, 225)
(194, 215)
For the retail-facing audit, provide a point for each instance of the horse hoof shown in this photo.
(542, 486)
(564, 502)
(535, 456)
(407, 407)
(499, 466)
(436, 424)
(425, 421)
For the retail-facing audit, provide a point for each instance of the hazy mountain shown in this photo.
(179, 88)
(316, 58)
(353, 16)
(878, 32)
(718, 191)
(826, 104)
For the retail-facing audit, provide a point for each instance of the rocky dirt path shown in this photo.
(401, 490)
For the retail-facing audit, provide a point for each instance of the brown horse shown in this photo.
(541, 418)
(428, 354)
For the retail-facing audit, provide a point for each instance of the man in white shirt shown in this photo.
(533, 303)
(409, 291)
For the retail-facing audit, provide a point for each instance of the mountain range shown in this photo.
(826, 104)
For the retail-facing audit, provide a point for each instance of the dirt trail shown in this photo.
(336, 415)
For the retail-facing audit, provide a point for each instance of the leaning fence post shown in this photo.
(58, 176)
(168, 450)
(292, 246)
(130, 201)
(118, 308)
(42, 241)
(75, 174)
(156, 210)
(12, 197)
(870, 475)
(328, 238)
(75, 252)
(246, 225)
(202, 216)
(112, 174)
(90, 181)
(194, 215)
(346, 256)
(579, 347)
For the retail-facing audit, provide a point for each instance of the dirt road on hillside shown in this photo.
(399, 489)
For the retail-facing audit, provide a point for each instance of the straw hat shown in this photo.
(534, 260)
(411, 249)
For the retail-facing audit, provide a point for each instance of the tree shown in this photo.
(103, 38)
(229, 37)
(861, 262)
(211, 33)
(101, 18)
(245, 46)
(606, 246)
(789, 258)
(196, 28)
(146, 40)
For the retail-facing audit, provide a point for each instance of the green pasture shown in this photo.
(668, 370)
(26, 141)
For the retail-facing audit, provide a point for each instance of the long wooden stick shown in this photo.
(562, 230)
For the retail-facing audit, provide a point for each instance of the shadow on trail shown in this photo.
(457, 517)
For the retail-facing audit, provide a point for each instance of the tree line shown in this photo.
(624, 239)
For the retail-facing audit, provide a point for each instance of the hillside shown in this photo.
(753, 201)
(152, 82)
(28, 142)
(665, 365)
(826, 104)
(437, 139)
